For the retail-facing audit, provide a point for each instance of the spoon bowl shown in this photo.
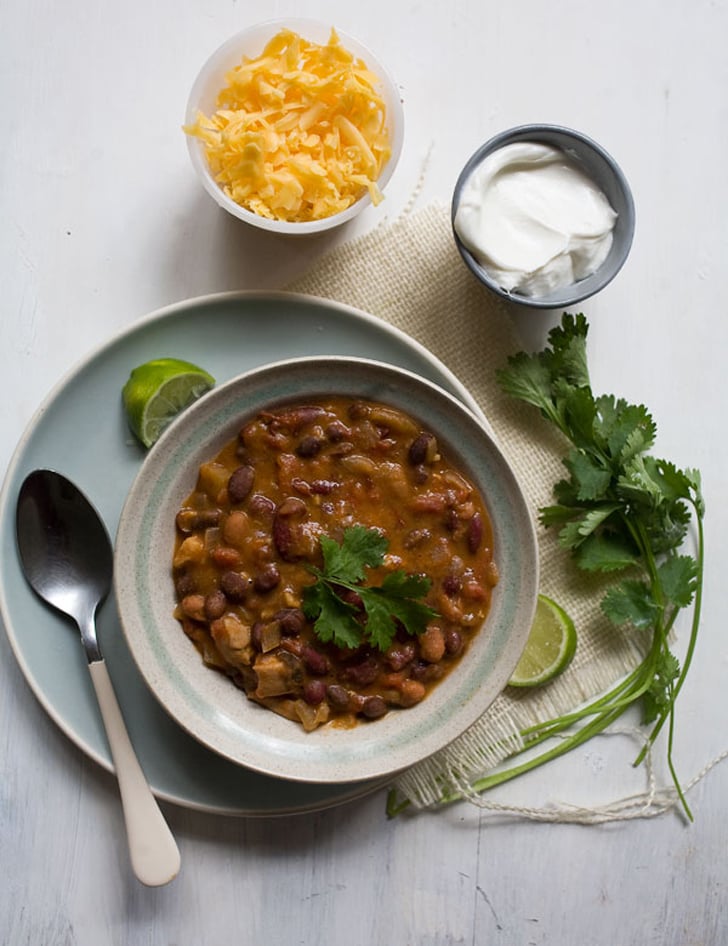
(67, 558)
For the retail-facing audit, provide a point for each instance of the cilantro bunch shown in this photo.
(379, 610)
(619, 510)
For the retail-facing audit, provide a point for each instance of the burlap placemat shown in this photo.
(410, 275)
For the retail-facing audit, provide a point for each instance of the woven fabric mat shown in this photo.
(410, 275)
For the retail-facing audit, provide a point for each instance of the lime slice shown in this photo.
(549, 648)
(157, 391)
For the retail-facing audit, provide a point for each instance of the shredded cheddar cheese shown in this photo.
(299, 132)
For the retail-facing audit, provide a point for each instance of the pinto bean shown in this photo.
(234, 586)
(225, 557)
(413, 691)
(432, 644)
(194, 606)
(215, 605)
(236, 528)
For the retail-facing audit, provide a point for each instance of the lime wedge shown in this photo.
(157, 391)
(549, 648)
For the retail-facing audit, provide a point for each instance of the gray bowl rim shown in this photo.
(534, 132)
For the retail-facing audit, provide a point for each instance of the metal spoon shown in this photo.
(67, 558)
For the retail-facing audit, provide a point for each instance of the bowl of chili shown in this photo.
(326, 569)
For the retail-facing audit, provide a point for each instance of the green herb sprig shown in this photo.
(395, 603)
(618, 509)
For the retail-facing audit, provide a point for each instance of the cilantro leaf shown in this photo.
(678, 575)
(385, 608)
(360, 547)
(660, 693)
(336, 621)
(606, 553)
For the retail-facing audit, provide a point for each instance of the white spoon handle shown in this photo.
(154, 853)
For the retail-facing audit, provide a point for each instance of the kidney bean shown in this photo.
(261, 507)
(215, 605)
(323, 487)
(256, 635)
(475, 533)
(240, 483)
(235, 586)
(451, 585)
(314, 692)
(295, 419)
(301, 486)
(451, 520)
(337, 696)
(337, 431)
(309, 447)
(291, 620)
(423, 449)
(399, 655)
(364, 672)
(267, 578)
(315, 661)
(424, 672)
(349, 596)
(453, 641)
(374, 707)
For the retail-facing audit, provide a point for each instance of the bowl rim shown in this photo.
(380, 751)
(267, 29)
(590, 285)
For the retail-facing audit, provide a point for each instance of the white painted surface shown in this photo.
(101, 221)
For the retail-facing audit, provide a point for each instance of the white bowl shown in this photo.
(206, 703)
(250, 42)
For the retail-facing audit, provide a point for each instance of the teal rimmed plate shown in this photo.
(80, 430)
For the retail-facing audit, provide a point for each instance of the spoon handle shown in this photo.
(154, 854)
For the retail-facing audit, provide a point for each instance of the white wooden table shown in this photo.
(102, 221)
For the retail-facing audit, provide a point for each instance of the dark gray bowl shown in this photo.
(606, 174)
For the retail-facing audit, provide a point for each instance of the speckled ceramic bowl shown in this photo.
(208, 705)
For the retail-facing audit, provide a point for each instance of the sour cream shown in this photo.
(533, 219)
